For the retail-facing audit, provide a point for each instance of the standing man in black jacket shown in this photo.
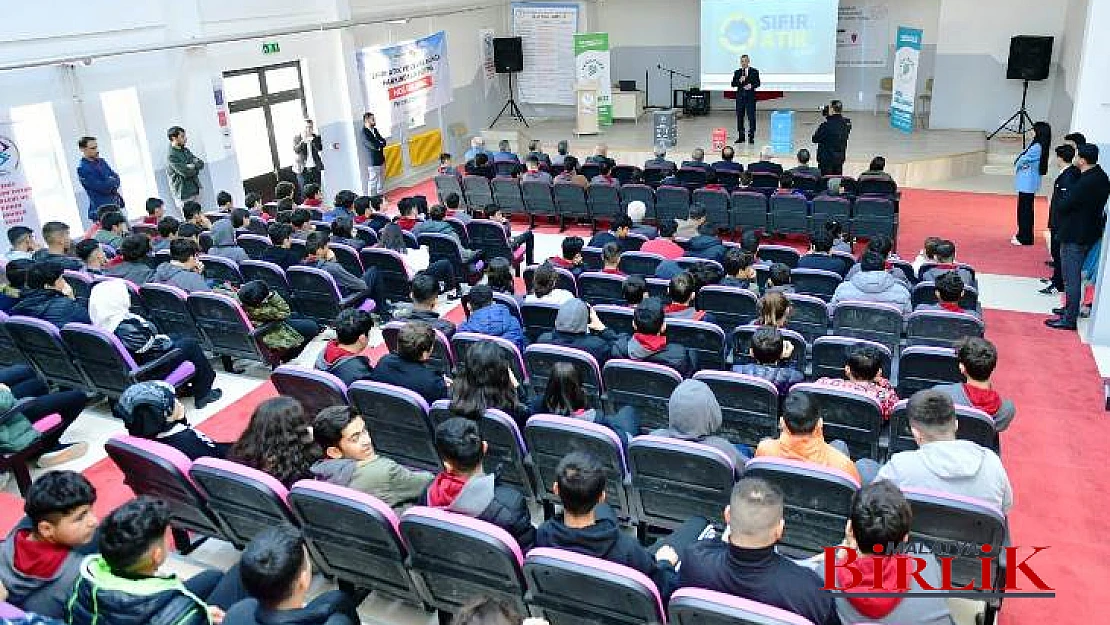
(832, 139)
(308, 163)
(1080, 219)
(1069, 175)
(374, 143)
(746, 81)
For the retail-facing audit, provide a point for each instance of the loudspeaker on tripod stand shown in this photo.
(508, 56)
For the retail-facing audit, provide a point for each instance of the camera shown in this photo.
(825, 111)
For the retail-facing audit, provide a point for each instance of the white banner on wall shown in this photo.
(17, 207)
(485, 49)
(547, 37)
(863, 33)
(404, 81)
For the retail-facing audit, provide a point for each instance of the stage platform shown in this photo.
(915, 159)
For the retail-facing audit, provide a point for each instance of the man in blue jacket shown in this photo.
(97, 177)
(491, 318)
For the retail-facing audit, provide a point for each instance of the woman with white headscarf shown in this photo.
(109, 308)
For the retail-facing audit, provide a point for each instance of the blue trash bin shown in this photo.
(782, 131)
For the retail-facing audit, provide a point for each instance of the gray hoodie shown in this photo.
(694, 415)
(176, 275)
(40, 595)
(874, 286)
(224, 244)
(957, 467)
(1002, 418)
(138, 273)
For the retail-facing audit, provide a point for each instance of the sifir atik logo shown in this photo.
(967, 570)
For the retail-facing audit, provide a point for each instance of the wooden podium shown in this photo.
(585, 100)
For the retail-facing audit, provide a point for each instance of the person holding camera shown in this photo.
(831, 138)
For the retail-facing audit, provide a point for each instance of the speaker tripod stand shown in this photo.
(1021, 116)
(510, 107)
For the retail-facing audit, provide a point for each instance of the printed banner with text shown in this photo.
(907, 56)
(17, 207)
(591, 64)
(405, 81)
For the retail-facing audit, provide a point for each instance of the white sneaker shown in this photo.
(65, 453)
(1014, 241)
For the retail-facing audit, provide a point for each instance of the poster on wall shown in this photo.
(591, 65)
(403, 82)
(862, 34)
(907, 57)
(17, 207)
(547, 37)
(485, 49)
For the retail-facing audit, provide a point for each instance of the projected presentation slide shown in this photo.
(791, 42)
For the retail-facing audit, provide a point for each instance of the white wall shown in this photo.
(1071, 53)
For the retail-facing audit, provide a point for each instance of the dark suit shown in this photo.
(660, 163)
(745, 100)
(1079, 224)
(1060, 186)
(770, 167)
(832, 144)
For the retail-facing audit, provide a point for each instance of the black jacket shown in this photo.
(673, 355)
(757, 574)
(831, 138)
(392, 369)
(1080, 217)
(50, 305)
(738, 82)
(316, 144)
(769, 167)
(600, 346)
(706, 246)
(349, 369)
(281, 256)
(141, 339)
(331, 608)
(1064, 181)
(827, 262)
(504, 506)
(433, 319)
(374, 143)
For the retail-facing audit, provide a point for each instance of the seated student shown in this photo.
(278, 441)
(446, 166)
(134, 251)
(864, 374)
(463, 487)
(820, 256)
(350, 460)
(875, 171)
(167, 232)
(689, 228)
(263, 306)
(739, 268)
(16, 272)
(634, 290)
(30, 401)
(589, 526)
(301, 220)
(949, 289)
(535, 149)
(455, 208)
(778, 279)
(156, 210)
(527, 239)
(22, 243)
(978, 358)
(240, 218)
(499, 277)
(313, 196)
(408, 366)
(745, 563)
(491, 318)
(40, 558)
(92, 256)
(151, 410)
(883, 246)
(342, 356)
(611, 258)
(425, 298)
(113, 227)
(281, 252)
(802, 437)
(55, 236)
(693, 414)
(544, 287)
(343, 232)
(705, 243)
(253, 202)
(841, 243)
(571, 173)
(605, 176)
(319, 255)
(276, 571)
(665, 245)
(765, 164)
(122, 583)
(565, 396)
(224, 202)
(617, 233)
(873, 283)
(803, 167)
(771, 363)
(928, 253)
(505, 152)
(945, 252)
(636, 212)
(486, 380)
(943, 463)
(601, 155)
(649, 341)
(880, 516)
(533, 173)
(341, 207)
(364, 208)
(683, 290)
(185, 271)
(786, 185)
(194, 214)
(571, 258)
(577, 326)
(49, 297)
(727, 164)
(480, 165)
(284, 190)
(224, 244)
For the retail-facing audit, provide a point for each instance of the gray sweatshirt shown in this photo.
(224, 243)
(1002, 418)
(176, 275)
(45, 596)
(694, 415)
(957, 467)
(873, 286)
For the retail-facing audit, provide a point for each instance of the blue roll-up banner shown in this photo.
(907, 56)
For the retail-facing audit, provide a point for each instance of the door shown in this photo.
(267, 108)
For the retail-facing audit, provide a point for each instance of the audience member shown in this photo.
(55, 234)
(771, 363)
(505, 153)
(633, 290)
(577, 326)
(545, 288)
(92, 256)
(863, 373)
(526, 238)
(278, 441)
(135, 251)
(605, 175)
(463, 487)
(875, 171)
(704, 243)
(477, 146)
(727, 164)
(601, 155)
(617, 233)
(49, 297)
(486, 380)
(281, 252)
(786, 185)
(562, 149)
(151, 410)
(341, 206)
(820, 255)
(224, 243)
(224, 202)
(636, 211)
(873, 284)
(739, 268)
(840, 242)
(343, 356)
(167, 231)
(535, 149)
(689, 228)
(978, 358)
(481, 165)
(565, 396)
(697, 160)
(764, 164)
(949, 290)
(16, 272)
(408, 367)
(185, 271)
(343, 233)
(660, 161)
(156, 210)
(802, 437)
(943, 463)
(499, 277)
(928, 253)
(778, 279)
(320, 256)
(570, 174)
(883, 246)
(113, 227)
(425, 298)
(611, 258)
(945, 254)
(533, 173)
(571, 258)
(665, 245)
(693, 414)
(649, 341)
(349, 460)
(683, 290)
(775, 311)
(194, 214)
(803, 167)
(288, 332)
(22, 243)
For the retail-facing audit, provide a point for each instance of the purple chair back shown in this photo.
(618, 318)
(538, 317)
(316, 294)
(478, 191)
(972, 425)
(568, 587)
(642, 263)
(816, 282)
(730, 306)
(646, 386)
(40, 342)
(169, 310)
(221, 270)
(393, 272)
(641, 192)
(254, 245)
(779, 254)
(873, 321)
(510, 302)
(809, 316)
(697, 606)
(831, 352)
(462, 341)
(672, 202)
(315, 389)
(749, 210)
(707, 340)
(106, 363)
(347, 256)
(398, 422)
(226, 329)
(540, 358)
(550, 438)
(570, 200)
(596, 287)
(538, 199)
(604, 201)
(489, 237)
(9, 353)
(922, 367)
(245, 500)
(826, 207)
(941, 328)
(854, 418)
(445, 247)
(273, 275)
(716, 206)
(447, 184)
(443, 356)
(81, 283)
(749, 405)
(674, 479)
(506, 194)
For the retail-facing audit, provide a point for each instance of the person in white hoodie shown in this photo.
(941, 462)
(873, 284)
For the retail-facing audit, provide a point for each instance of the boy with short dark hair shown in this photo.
(167, 231)
(946, 262)
(301, 220)
(778, 279)
(281, 252)
(864, 374)
(802, 437)
(683, 290)
(184, 270)
(194, 214)
(649, 341)
(464, 488)
(766, 348)
(571, 258)
(342, 356)
(224, 202)
(820, 255)
(55, 236)
(978, 358)
(133, 254)
(408, 366)
(277, 572)
(41, 558)
(633, 290)
(155, 210)
(949, 289)
(739, 268)
(113, 227)
(425, 298)
(611, 258)
(92, 255)
(350, 460)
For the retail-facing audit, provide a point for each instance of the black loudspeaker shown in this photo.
(508, 56)
(1030, 56)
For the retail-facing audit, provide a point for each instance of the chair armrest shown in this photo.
(161, 361)
(351, 300)
(16, 408)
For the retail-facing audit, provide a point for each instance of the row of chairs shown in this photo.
(437, 559)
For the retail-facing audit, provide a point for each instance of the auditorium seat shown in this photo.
(706, 339)
(9, 353)
(538, 317)
(540, 358)
(697, 606)
(460, 230)
(48, 429)
(749, 211)
(245, 500)
(643, 193)
(789, 214)
(873, 321)
(809, 316)
(972, 425)
(445, 247)
(692, 177)
(815, 282)
(478, 193)
(347, 257)
(393, 273)
(749, 406)
(507, 456)
(784, 254)
(568, 588)
(926, 293)
(81, 283)
(167, 308)
(538, 200)
(447, 184)
(672, 202)
(739, 342)
(109, 367)
(564, 279)
(507, 195)
(317, 295)
(941, 328)
(510, 302)
(489, 237)
(716, 206)
(854, 418)
(40, 345)
(830, 354)
(550, 438)
(645, 386)
(921, 367)
(673, 480)
(273, 275)
(442, 360)
(639, 263)
(228, 331)
(730, 306)
(690, 263)
(906, 268)
(315, 389)
(831, 207)
(570, 200)
(596, 287)
(462, 341)
(254, 245)
(398, 421)
(616, 318)
(592, 259)
(221, 270)
(874, 216)
(625, 173)
(605, 203)
(367, 234)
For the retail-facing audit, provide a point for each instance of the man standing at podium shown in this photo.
(746, 81)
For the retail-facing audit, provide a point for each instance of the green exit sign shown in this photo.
(271, 47)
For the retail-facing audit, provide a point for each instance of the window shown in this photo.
(130, 152)
(44, 164)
